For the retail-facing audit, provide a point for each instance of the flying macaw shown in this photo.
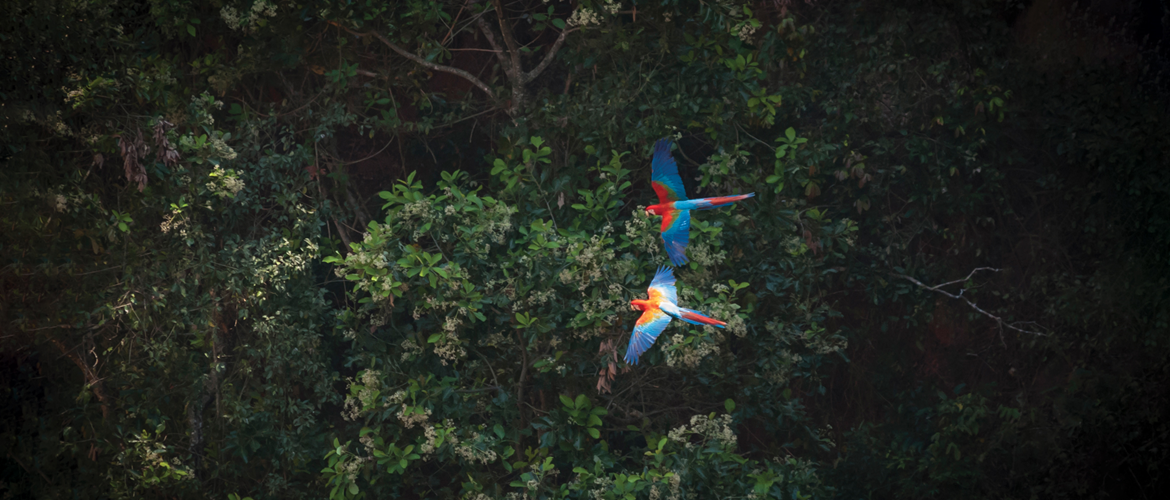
(673, 205)
(656, 313)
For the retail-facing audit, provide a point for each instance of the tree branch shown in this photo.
(91, 378)
(552, 51)
(491, 38)
(937, 289)
(509, 40)
(427, 64)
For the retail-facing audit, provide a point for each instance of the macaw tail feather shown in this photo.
(697, 318)
(720, 201)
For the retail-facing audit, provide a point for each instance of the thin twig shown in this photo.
(25, 467)
(481, 389)
(453, 23)
(47, 328)
(937, 289)
(425, 63)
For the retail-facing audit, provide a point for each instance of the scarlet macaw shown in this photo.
(657, 311)
(673, 205)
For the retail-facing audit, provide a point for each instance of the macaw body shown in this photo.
(657, 310)
(673, 205)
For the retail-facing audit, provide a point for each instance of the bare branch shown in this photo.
(959, 296)
(972, 273)
(552, 51)
(427, 64)
(453, 23)
(509, 40)
(491, 38)
(91, 378)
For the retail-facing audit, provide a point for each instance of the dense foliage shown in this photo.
(385, 249)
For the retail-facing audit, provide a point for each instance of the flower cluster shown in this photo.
(583, 17)
(476, 449)
(431, 434)
(364, 398)
(640, 231)
(411, 416)
(746, 30)
(675, 483)
(409, 349)
(350, 468)
(59, 203)
(397, 398)
(707, 427)
(224, 183)
(592, 258)
(703, 254)
(449, 348)
(681, 354)
(247, 22)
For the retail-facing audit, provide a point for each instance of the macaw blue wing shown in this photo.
(663, 285)
(646, 331)
(676, 233)
(664, 174)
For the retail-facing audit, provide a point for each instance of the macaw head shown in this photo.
(653, 210)
(640, 304)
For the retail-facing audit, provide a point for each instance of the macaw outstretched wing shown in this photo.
(646, 331)
(664, 174)
(663, 285)
(676, 233)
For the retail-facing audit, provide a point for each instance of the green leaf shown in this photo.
(191, 30)
(729, 405)
(595, 433)
(353, 489)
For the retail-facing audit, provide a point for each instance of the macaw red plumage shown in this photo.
(673, 205)
(657, 310)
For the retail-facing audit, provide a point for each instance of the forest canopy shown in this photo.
(372, 249)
